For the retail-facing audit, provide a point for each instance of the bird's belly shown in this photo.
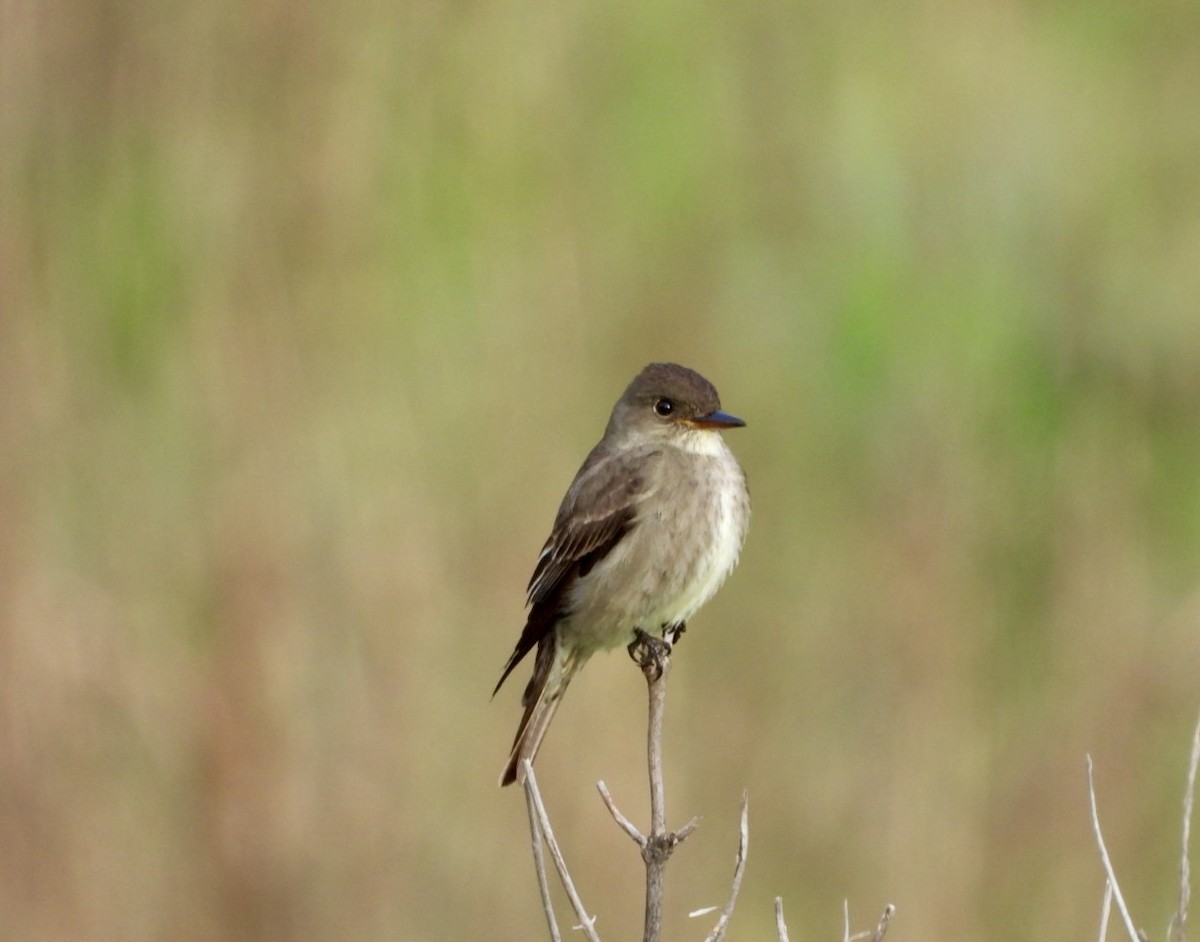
(662, 572)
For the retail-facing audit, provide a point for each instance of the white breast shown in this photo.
(724, 549)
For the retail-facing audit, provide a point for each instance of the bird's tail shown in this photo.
(553, 670)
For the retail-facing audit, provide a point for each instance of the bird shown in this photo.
(650, 528)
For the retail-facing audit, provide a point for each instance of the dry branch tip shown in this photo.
(1134, 934)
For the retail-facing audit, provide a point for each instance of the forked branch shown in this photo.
(539, 824)
(654, 658)
(1177, 928)
(1134, 935)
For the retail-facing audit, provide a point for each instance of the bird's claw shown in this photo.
(649, 653)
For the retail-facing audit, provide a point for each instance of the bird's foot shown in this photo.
(649, 653)
(672, 633)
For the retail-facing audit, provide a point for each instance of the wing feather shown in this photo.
(600, 508)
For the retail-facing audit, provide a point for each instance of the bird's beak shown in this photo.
(717, 420)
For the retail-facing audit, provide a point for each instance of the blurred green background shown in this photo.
(309, 313)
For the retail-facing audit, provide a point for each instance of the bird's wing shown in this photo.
(599, 510)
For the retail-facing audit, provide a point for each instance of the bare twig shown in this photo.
(625, 824)
(678, 836)
(656, 848)
(682, 834)
(654, 658)
(1104, 859)
(881, 927)
(1105, 911)
(538, 813)
(876, 934)
(1177, 928)
(739, 868)
(539, 862)
(656, 675)
(780, 924)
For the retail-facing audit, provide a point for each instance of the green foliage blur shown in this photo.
(308, 314)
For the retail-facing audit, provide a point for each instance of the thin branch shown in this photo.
(1104, 859)
(680, 835)
(539, 864)
(625, 824)
(1177, 929)
(653, 656)
(876, 934)
(881, 927)
(677, 837)
(657, 848)
(739, 869)
(660, 669)
(586, 922)
(780, 925)
(1105, 911)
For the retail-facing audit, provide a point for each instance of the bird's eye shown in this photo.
(664, 407)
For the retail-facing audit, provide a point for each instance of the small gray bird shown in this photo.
(650, 527)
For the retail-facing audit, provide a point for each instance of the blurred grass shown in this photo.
(308, 314)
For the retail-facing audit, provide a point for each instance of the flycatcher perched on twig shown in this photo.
(649, 529)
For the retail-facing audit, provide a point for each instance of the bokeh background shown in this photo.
(308, 314)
